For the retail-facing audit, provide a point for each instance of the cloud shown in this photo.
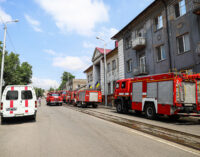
(2, 1)
(34, 23)
(72, 63)
(4, 16)
(44, 83)
(49, 51)
(107, 33)
(79, 16)
(87, 44)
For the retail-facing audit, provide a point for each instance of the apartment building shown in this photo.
(164, 37)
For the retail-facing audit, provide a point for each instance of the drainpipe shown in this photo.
(168, 36)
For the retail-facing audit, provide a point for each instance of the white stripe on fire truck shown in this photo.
(144, 93)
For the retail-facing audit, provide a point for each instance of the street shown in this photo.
(60, 131)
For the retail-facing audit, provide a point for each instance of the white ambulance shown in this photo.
(18, 101)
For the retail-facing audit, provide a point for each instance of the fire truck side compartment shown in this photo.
(137, 92)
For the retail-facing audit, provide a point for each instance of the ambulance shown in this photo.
(18, 101)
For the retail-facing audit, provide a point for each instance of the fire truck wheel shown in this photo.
(119, 108)
(174, 117)
(94, 105)
(150, 111)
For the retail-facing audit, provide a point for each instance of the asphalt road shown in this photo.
(60, 131)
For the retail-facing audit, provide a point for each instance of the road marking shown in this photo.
(184, 148)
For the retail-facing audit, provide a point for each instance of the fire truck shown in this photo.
(162, 94)
(85, 98)
(54, 98)
(72, 99)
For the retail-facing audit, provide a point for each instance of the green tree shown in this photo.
(66, 76)
(51, 89)
(14, 72)
(39, 92)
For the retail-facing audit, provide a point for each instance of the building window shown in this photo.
(183, 43)
(129, 65)
(142, 64)
(128, 42)
(88, 78)
(161, 55)
(113, 64)
(159, 22)
(180, 8)
(109, 88)
(91, 77)
(108, 67)
(139, 32)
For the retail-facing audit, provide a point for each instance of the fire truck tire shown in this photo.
(94, 105)
(150, 112)
(119, 107)
(83, 105)
(174, 117)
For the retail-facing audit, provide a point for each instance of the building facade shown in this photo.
(76, 84)
(95, 73)
(164, 37)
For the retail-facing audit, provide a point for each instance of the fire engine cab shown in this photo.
(162, 94)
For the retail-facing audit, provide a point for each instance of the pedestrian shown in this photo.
(39, 101)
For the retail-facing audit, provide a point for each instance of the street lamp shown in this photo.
(105, 70)
(3, 54)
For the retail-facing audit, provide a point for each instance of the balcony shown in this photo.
(196, 7)
(139, 43)
(140, 71)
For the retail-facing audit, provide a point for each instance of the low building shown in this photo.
(95, 73)
(76, 84)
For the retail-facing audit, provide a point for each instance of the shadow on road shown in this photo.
(18, 120)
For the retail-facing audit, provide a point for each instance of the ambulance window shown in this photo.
(123, 84)
(12, 95)
(27, 94)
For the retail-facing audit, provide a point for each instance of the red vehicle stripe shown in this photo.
(26, 111)
(26, 103)
(12, 88)
(11, 106)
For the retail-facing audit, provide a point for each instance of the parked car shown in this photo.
(54, 98)
(18, 101)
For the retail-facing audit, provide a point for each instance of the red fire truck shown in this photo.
(54, 98)
(162, 94)
(72, 99)
(87, 98)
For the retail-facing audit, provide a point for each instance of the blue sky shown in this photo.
(60, 35)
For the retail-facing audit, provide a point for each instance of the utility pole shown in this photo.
(105, 72)
(3, 55)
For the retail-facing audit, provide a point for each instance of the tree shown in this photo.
(39, 92)
(65, 77)
(51, 89)
(14, 72)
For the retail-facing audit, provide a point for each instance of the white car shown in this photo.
(18, 101)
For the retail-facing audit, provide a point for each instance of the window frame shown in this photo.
(129, 66)
(180, 7)
(184, 43)
(26, 98)
(12, 91)
(114, 66)
(157, 20)
(159, 49)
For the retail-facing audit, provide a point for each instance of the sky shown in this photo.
(60, 35)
